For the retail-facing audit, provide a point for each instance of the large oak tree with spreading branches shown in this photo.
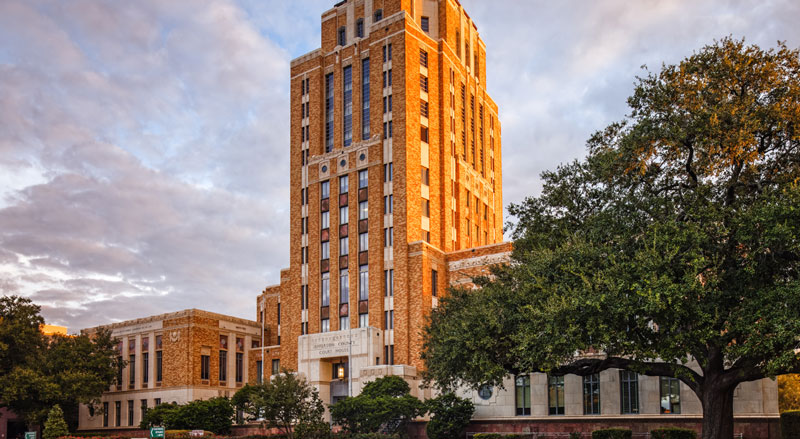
(672, 249)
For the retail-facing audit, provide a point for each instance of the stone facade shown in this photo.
(176, 357)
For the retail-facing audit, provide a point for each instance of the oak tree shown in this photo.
(672, 249)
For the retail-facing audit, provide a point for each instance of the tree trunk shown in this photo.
(717, 413)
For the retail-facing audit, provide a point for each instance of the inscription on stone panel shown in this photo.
(144, 327)
(336, 345)
(236, 327)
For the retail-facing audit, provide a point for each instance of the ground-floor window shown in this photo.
(670, 395)
(105, 414)
(591, 394)
(555, 394)
(130, 412)
(629, 392)
(117, 413)
(522, 391)
(276, 366)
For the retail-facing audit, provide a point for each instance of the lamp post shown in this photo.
(263, 340)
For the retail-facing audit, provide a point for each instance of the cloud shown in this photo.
(137, 139)
(144, 145)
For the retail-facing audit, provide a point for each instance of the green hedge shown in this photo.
(612, 433)
(790, 424)
(673, 433)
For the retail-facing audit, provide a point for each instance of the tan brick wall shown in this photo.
(412, 259)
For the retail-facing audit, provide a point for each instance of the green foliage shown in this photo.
(367, 436)
(38, 372)
(789, 392)
(243, 401)
(676, 239)
(450, 416)
(55, 426)
(286, 401)
(312, 430)
(673, 433)
(383, 406)
(612, 433)
(790, 424)
(215, 415)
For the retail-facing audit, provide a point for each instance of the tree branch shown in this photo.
(589, 366)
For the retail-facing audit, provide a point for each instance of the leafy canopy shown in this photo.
(677, 238)
(285, 401)
(38, 372)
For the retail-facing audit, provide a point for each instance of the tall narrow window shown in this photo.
(670, 395)
(325, 325)
(325, 220)
(105, 414)
(629, 392)
(363, 320)
(426, 173)
(363, 282)
(423, 58)
(387, 172)
(344, 213)
(344, 246)
(239, 367)
(434, 283)
(329, 112)
(132, 370)
(344, 184)
(130, 412)
(388, 283)
(205, 367)
(325, 290)
(423, 83)
(259, 371)
(276, 366)
(117, 413)
(426, 208)
(342, 36)
(344, 286)
(159, 366)
(324, 190)
(423, 108)
(424, 24)
(223, 365)
(365, 99)
(325, 250)
(360, 28)
(555, 394)
(304, 297)
(522, 393)
(145, 367)
(363, 242)
(591, 394)
(379, 15)
(347, 104)
(363, 178)
(363, 210)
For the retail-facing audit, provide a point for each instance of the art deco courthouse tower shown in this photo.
(395, 170)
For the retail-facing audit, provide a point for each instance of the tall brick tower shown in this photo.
(395, 172)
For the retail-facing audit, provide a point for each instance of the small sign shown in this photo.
(155, 432)
(196, 433)
(30, 435)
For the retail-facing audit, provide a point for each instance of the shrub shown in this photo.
(55, 426)
(673, 433)
(384, 406)
(214, 415)
(612, 433)
(450, 416)
(790, 424)
(312, 430)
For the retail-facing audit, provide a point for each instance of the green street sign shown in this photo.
(30, 435)
(154, 432)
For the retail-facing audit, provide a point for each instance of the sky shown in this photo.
(144, 144)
